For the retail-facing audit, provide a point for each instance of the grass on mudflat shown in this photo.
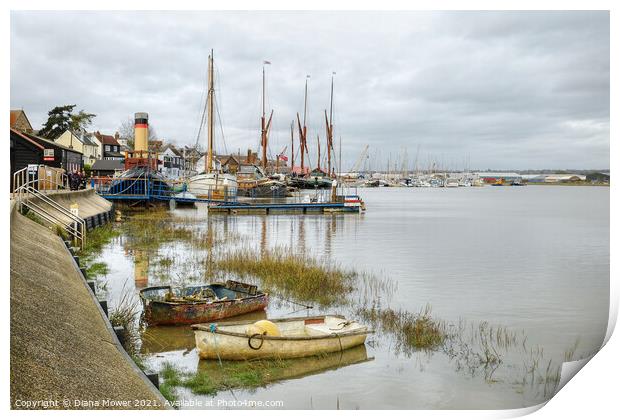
(413, 331)
(300, 277)
(149, 230)
(230, 375)
(96, 239)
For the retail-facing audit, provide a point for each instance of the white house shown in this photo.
(171, 162)
(85, 143)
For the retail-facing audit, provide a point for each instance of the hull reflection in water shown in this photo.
(295, 368)
(161, 339)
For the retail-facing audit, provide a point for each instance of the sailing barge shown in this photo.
(165, 305)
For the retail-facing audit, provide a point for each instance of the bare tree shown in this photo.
(126, 131)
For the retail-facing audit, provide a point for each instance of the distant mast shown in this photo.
(264, 124)
(302, 131)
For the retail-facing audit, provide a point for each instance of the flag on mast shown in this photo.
(266, 62)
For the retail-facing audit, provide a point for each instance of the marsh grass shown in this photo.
(126, 314)
(300, 277)
(97, 238)
(229, 375)
(413, 331)
(97, 269)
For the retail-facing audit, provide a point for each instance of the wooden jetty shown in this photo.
(344, 204)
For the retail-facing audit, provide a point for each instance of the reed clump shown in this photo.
(126, 314)
(300, 277)
(413, 331)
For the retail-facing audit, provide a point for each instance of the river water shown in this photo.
(534, 260)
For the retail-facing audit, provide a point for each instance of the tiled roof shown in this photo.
(105, 139)
(45, 142)
(108, 165)
(85, 138)
(15, 113)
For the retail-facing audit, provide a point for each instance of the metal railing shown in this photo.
(150, 188)
(30, 186)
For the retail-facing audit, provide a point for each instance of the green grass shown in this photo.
(171, 374)
(139, 361)
(297, 276)
(148, 230)
(97, 238)
(94, 270)
(413, 331)
(168, 392)
(33, 216)
(230, 375)
(125, 314)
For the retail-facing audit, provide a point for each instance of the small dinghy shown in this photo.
(278, 338)
(164, 305)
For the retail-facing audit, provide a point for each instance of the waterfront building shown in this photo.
(110, 148)
(598, 177)
(107, 167)
(171, 162)
(493, 177)
(29, 149)
(19, 121)
(83, 142)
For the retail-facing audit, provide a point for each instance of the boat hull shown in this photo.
(214, 343)
(262, 190)
(160, 312)
(212, 186)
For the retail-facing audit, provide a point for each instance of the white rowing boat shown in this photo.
(278, 338)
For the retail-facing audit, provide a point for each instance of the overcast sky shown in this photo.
(512, 90)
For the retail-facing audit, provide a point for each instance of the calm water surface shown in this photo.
(532, 259)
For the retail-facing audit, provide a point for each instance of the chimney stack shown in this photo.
(141, 132)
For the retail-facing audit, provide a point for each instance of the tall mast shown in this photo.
(318, 159)
(210, 115)
(329, 128)
(303, 130)
(292, 146)
(264, 124)
(340, 159)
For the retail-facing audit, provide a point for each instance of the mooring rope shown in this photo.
(213, 328)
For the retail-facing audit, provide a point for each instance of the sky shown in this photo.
(477, 90)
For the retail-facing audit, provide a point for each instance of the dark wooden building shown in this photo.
(28, 149)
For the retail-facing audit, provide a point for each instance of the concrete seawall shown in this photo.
(62, 346)
(93, 209)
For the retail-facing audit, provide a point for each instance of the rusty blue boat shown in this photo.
(168, 305)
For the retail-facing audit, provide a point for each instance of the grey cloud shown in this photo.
(503, 89)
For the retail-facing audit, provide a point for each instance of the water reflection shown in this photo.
(141, 269)
(448, 251)
(296, 368)
(160, 339)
